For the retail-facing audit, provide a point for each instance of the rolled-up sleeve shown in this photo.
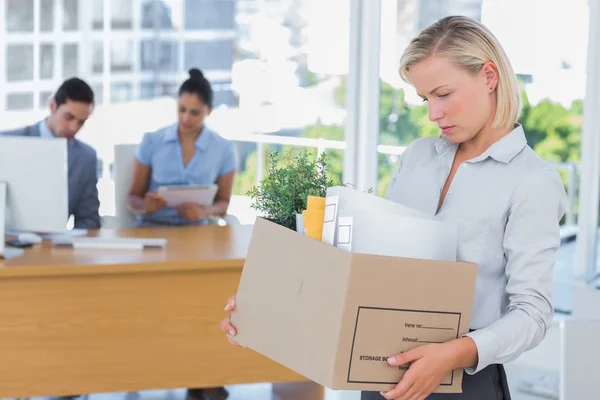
(531, 239)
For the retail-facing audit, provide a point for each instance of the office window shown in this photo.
(19, 16)
(121, 14)
(147, 58)
(149, 14)
(120, 92)
(70, 60)
(208, 55)
(46, 61)
(45, 100)
(70, 15)
(169, 56)
(98, 89)
(19, 62)
(432, 10)
(224, 97)
(121, 56)
(158, 14)
(169, 89)
(19, 101)
(97, 57)
(46, 15)
(147, 90)
(209, 14)
(97, 14)
(159, 55)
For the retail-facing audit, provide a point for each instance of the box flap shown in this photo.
(308, 278)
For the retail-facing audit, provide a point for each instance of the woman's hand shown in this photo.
(429, 366)
(153, 202)
(226, 324)
(192, 212)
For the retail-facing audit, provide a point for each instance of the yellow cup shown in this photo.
(313, 223)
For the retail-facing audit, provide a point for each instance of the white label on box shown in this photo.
(330, 220)
(344, 233)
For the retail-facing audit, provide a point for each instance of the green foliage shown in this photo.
(399, 123)
(288, 182)
(246, 179)
(552, 130)
(335, 158)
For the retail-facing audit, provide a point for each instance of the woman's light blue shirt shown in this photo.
(507, 204)
(161, 151)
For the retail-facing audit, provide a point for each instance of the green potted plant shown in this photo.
(288, 182)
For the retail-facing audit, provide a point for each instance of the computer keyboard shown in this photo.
(118, 243)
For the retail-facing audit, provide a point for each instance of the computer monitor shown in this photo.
(34, 173)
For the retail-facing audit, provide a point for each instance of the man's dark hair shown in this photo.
(76, 90)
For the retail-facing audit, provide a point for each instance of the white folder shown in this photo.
(386, 234)
(340, 198)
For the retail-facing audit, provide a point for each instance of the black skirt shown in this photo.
(488, 384)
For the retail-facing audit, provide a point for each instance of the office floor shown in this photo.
(242, 392)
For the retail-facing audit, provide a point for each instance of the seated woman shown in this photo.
(186, 153)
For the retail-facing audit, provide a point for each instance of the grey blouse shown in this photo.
(507, 204)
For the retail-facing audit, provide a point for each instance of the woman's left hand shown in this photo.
(192, 212)
(429, 365)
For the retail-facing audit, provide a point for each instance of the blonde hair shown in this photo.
(470, 45)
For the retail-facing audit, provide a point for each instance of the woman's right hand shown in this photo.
(153, 202)
(226, 322)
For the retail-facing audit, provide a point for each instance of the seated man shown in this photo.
(70, 107)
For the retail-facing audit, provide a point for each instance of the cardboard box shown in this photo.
(334, 316)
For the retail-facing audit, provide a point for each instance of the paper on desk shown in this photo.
(203, 195)
(76, 232)
(73, 233)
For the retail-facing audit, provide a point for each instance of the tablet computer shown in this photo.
(175, 195)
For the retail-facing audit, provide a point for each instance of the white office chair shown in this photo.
(123, 172)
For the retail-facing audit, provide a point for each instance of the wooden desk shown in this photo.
(89, 321)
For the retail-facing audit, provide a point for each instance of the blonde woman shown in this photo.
(480, 174)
